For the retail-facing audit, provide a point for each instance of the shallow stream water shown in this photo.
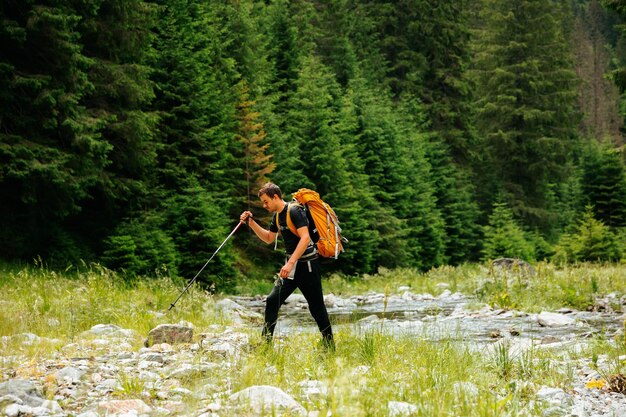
(453, 317)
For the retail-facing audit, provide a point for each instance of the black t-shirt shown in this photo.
(298, 218)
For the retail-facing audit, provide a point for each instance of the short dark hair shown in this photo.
(271, 190)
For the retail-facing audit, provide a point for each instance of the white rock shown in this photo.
(52, 406)
(578, 411)
(12, 410)
(554, 396)
(400, 408)
(295, 299)
(445, 294)
(224, 349)
(228, 305)
(69, 374)
(88, 414)
(102, 329)
(313, 388)
(121, 407)
(547, 319)
(465, 388)
(265, 398)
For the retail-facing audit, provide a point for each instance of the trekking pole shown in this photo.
(202, 269)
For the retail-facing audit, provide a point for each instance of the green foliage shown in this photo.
(198, 227)
(526, 97)
(503, 236)
(141, 247)
(135, 132)
(51, 151)
(604, 184)
(618, 74)
(257, 163)
(593, 241)
(426, 45)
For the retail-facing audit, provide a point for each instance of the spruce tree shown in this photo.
(359, 213)
(399, 175)
(76, 134)
(256, 161)
(590, 241)
(526, 106)
(51, 151)
(426, 45)
(196, 177)
(288, 24)
(619, 74)
(504, 237)
(604, 185)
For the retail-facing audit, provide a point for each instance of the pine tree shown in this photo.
(195, 179)
(196, 100)
(117, 38)
(399, 175)
(504, 237)
(619, 74)
(76, 136)
(604, 185)
(456, 200)
(426, 45)
(198, 226)
(527, 102)
(324, 121)
(591, 241)
(257, 163)
(426, 60)
(286, 23)
(358, 211)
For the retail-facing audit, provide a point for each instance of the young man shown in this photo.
(301, 269)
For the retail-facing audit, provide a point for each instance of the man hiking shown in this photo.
(301, 269)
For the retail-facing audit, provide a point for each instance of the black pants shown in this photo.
(310, 283)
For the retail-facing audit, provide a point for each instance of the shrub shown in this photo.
(593, 241)
(504, 238)
(140, 247)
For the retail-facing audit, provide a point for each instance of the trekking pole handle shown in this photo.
(207, 262)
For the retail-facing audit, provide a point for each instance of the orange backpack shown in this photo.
(323, 223)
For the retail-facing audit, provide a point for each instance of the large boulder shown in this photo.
(513, 265)
(170, 333)
(26, 391)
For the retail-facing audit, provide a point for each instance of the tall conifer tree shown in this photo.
(194, 181)
(527, 97)
(604, 185)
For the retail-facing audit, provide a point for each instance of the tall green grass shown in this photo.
(62, 305)
(549, 288)
(368, 369)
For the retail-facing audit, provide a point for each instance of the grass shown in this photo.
(52, 310)
(550, 288)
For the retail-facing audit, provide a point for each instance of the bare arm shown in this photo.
(263, 234)
(303, 234)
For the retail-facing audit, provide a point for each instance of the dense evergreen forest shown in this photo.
(133, 133)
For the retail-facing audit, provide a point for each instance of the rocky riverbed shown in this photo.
(105, 372)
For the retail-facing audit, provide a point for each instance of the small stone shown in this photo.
(495, 334)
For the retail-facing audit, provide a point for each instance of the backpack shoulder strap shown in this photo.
(290, 224)
(278, 226)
